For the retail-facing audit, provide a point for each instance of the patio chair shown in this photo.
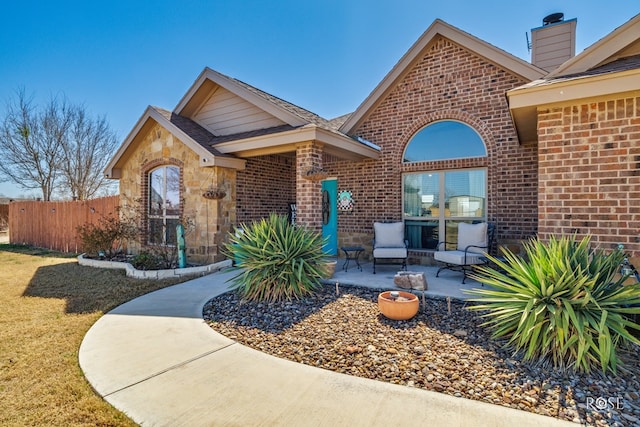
(474, 242)
(389, 244)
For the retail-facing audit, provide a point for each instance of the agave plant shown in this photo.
(278, 261)
(563, 303)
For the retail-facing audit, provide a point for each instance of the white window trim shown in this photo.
(163, 216)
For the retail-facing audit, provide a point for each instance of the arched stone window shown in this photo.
(435, 201)
(163, 205)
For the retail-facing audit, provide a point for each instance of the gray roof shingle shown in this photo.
(619, 65)
(304, 114)
(191, 128)
(208, 140)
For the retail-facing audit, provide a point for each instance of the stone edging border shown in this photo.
(154, 274)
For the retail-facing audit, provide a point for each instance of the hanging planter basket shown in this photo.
(214, 194)
(315, 174)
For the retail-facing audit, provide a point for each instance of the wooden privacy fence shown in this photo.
(53, 225)
(4, 217)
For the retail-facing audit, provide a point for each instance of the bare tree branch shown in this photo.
(88, 149)
(31, 143)
(58, 148)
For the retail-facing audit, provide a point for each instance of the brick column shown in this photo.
(308, 192)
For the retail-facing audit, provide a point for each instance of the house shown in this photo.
(458, 130)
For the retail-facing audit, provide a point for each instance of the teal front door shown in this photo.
(330, 215)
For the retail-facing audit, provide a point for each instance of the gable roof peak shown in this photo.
(288, 112)
(439, 28)
(186, 130)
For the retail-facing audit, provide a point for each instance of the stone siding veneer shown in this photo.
(212, 219)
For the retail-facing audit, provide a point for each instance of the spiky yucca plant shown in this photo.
(279, 261)
(563, 303)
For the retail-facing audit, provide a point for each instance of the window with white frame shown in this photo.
(435, 202)
(163, 205)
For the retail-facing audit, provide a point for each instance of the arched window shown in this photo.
(435, 202)
(444, 140)
(163, 205)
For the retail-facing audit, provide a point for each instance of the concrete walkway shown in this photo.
(155, 359)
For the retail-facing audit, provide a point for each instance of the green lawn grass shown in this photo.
(47, 304)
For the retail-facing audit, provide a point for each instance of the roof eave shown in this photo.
(206, 158)
(111, 171)
(235, 88)
(439, 27)
(524, 101)
(334, 143)
(572, 89)
(601, 50)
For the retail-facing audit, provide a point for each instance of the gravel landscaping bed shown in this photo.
(443, 349)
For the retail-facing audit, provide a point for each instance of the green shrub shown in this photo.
(146, 261)
(562, 304)
(107, 237)
(156, 258)
(279, 261)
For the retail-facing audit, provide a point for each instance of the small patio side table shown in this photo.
(352, 253)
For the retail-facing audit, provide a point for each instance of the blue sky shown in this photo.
(116, 57)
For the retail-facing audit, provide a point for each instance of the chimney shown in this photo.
(554, 43)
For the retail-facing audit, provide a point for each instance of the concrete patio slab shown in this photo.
(449, 284)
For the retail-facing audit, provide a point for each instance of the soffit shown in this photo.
(599, 84)
(286, 139)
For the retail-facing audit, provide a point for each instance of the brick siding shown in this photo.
(266, 185)
(587, 163)
(447, 82)
(590, 171)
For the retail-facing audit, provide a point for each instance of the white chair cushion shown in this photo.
(390, 253)
(472, 234)
(457, 257)
(389, 234)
